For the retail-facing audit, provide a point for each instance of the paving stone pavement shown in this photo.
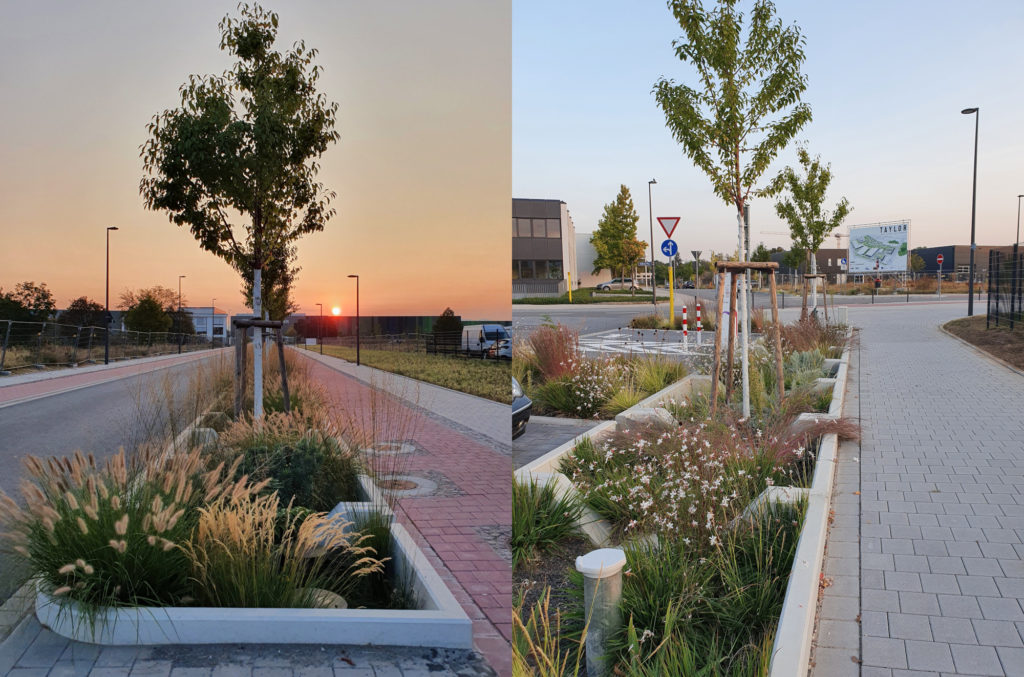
(926, 562)
(544, 433)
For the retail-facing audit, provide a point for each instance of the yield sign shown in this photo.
(668, 224)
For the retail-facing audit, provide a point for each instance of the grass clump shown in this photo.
(542, 516)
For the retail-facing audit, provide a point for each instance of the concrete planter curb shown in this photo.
(791, 652)
(439, 622)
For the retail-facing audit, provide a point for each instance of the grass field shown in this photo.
(1001, 342)
(484, 378)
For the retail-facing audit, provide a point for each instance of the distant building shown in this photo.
(543, 248)
(831, 262)
(585, 257)
(208, 320)
(956, 260)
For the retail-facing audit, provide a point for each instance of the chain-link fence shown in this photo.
(445, 343)
(1005, 291)
(25, 345)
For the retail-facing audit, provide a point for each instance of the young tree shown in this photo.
(448, 329)
(84, 313)
(147, 315)
(743, 110)
(801, 208)
(615, 238)
(245, 142)
(917, 264)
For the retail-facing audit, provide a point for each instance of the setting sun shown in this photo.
(336, 310)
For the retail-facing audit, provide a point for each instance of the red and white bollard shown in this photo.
(686, 333)
(700, 327)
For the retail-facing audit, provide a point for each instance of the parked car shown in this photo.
(688, 284)
(617, 283)
(486, 340)
(521, 407)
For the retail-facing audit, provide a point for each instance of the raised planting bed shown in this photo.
(436, 621)
(797, 584)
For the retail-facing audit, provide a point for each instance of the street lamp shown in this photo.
(974, 199)
(1017, 241)
(180, 278)
(357, 318)
(320, 329)
(650, 219)
(106, 338)
(213, 315)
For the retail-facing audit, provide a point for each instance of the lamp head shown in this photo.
(968, 111)
(355, 276)
(652, 181)
(112, 228)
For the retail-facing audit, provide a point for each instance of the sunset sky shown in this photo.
(887, 82)
(422, 170)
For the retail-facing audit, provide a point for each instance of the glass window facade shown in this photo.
(539, 228)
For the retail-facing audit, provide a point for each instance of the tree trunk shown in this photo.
(257, 344)
(803, 291)
(745, 364)
(814, 281)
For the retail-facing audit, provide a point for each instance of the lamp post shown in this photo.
(320, 329)
(357, 318)
(106, 334)
(974, 200)
(213, 316)
(650, 219)
(180, 278)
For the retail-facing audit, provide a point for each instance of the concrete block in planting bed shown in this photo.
(684, 389)
(217, 420)
(769, 497)
(438, 620)
(805, 422)
(203, 437)
(824, 384)
(831, 366)
(639, 418)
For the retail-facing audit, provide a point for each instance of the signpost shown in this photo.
(668, 224)
(940, 260)
(669, 249)
(696, 268)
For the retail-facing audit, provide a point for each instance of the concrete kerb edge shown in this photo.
(794, 634)
(983, 353)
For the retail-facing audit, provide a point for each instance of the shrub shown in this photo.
(556, 349)
(625, 397)
(654, 372)
(111, 535)
(307, 467)
(584, 389)
(542, 516)
(237, 560)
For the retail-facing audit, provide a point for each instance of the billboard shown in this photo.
(879, 248)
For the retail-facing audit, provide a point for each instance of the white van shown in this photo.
(487, 340)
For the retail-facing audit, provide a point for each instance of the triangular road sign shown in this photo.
(668, 224)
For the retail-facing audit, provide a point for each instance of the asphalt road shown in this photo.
(98, 419)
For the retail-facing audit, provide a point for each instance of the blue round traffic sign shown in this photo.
(669, 248)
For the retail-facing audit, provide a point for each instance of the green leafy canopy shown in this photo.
(615, 238)
(244, 143)
(745, 106)
(804, 196)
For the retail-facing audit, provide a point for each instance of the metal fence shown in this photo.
(1005, 290)
(26, 345)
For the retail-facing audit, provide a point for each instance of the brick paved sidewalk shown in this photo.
(465, 524)
(937, 582)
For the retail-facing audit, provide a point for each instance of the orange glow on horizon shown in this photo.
(336, 310)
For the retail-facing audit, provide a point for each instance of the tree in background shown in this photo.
(165, 296)
(245, 142)
(916, 262)
(761, 253)
(448, 329)
(745, 108)
(84, 313)
(147, 315)
(615, 238)
(27, 302)
(181, 322)
(801, 208)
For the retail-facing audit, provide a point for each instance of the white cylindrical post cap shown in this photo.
(601, 563)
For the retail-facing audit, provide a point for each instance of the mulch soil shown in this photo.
(552, 571)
